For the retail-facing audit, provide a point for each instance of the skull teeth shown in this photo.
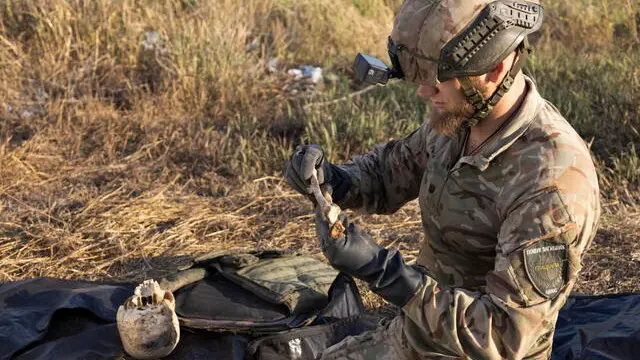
(146, 295)
(147, 287)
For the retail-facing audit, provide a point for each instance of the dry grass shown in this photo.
(122, 161)
(612, 265)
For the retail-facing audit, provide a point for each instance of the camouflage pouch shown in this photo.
(255, 292)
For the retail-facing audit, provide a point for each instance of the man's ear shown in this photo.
(496, 73)
(500, 70)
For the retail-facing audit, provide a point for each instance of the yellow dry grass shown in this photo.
(121, 161)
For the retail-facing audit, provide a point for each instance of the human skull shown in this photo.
(147, 322)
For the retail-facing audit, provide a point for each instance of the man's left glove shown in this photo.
(307, 158)
(357, 254)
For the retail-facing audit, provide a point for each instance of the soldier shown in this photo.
(507, 190)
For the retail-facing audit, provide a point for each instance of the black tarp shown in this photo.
(603, 327)
(48, 318)
(31, 311)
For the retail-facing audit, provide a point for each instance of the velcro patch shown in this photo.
(546, 266)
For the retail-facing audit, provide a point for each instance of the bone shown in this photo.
(323, 200)
(329, 210)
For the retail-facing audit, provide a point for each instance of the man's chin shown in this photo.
(446, 124)
(450, 122)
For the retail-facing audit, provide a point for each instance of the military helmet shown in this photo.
(436, 40)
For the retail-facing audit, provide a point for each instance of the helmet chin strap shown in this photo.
(483, 107)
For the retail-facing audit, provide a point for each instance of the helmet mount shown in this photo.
(484, 106)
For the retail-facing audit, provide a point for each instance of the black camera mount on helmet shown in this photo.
(374, 71)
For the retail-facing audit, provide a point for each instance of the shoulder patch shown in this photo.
(546, 265)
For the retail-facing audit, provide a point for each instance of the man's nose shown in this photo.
(427, 91)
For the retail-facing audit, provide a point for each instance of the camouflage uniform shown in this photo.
(505, 232)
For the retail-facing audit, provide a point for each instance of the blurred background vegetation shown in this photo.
(179, 105)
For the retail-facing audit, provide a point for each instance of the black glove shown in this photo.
(358, 255)
(299, 168)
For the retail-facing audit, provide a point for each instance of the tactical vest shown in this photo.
(255, 292)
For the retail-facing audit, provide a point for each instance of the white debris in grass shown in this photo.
(307, 72)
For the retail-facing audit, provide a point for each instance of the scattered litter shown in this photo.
(307, 72)
(296, 73)
(305, 80)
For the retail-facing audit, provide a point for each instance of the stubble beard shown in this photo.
(450, 121)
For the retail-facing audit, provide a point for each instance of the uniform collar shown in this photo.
(517, 126)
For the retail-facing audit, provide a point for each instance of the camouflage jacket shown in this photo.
(505, 230)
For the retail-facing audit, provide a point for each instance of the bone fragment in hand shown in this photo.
(329, 210)
(321, 200)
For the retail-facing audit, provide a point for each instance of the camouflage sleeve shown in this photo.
(389, 176)
(538, 256)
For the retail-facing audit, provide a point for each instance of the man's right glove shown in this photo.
(301, 165)
(357, 254)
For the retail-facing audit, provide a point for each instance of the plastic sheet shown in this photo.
(48, 318)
